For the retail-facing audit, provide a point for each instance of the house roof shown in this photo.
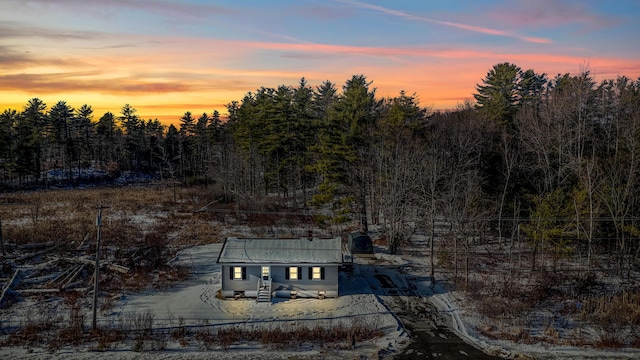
(281, 251)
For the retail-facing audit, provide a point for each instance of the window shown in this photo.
(293, 273)
(265, 273)
(316, 273)
(238, 273)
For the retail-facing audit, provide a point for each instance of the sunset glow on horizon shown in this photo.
(166, 57)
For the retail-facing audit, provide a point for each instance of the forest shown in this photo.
(549, 162)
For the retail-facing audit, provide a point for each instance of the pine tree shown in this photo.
(30, 137)
(108, 149)
(60, 121)
(84, 133)
(187, 144)
(8, 120)
(342, 151)
(134, 133)
(500, 93)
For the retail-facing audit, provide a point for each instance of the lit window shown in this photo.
(293, 273)
(265, 272)
(237, 273)
(316, 273)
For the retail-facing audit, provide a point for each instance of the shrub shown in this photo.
(609, 340)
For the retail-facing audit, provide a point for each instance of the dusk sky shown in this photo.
(165, 57)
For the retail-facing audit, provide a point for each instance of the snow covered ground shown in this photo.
(371, 295)
(194, 303)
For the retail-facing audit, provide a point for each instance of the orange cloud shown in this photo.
(67, 82)
(164, 79)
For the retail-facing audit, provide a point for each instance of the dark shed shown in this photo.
(360, 244)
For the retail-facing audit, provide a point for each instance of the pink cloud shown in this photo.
(472, 28)
(550, 13)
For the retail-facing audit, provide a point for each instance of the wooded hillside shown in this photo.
(554, 161)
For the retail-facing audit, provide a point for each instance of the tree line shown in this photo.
(554, 161)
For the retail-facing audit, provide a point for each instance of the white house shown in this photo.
(266, 268)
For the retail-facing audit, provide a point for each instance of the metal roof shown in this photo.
(281, 251)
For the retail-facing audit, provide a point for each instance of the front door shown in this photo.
(266, 273)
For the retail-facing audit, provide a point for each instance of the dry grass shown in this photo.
(508, 296)
(137, 330)
(515, 334)
(69, 216)
(612, 311)
(279, 338)
(555, 308)
(135, 218)
(142, 229)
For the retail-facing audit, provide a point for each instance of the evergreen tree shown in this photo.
(8, 120)
(60, 121)
(154, 133)
(134, 136)
(187, 144)
(343, 148)
(108, 149)
(203, 143)
(187, 124)
(499, 94)
(30, 137)
(84, 133)
(305, 126)
(171, 151)
(214, 129)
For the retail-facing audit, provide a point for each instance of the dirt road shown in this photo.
(430, 336)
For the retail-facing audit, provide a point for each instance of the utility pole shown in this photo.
(97, 267)
(1, 240)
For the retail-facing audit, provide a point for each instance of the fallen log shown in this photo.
(68, 275)
(119, 268)
(46, 264)
(57, 278)
(36, 245)
(204, 208)
(39, 279)
(6, 288)
(38, 291)
(104, 263)
(71, 286)
(69, 283)
(79, 260)
(31, 255)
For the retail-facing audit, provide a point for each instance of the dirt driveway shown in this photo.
(430, 336)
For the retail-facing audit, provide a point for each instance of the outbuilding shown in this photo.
(361, 244)
(266, 268)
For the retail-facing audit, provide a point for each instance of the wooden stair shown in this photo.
(264, 292)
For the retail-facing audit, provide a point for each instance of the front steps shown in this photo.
(264, 294)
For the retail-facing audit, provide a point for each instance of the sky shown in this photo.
(166, 57)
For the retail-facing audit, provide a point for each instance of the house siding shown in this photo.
(250, 283)
(280, 255)
(279, 281)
